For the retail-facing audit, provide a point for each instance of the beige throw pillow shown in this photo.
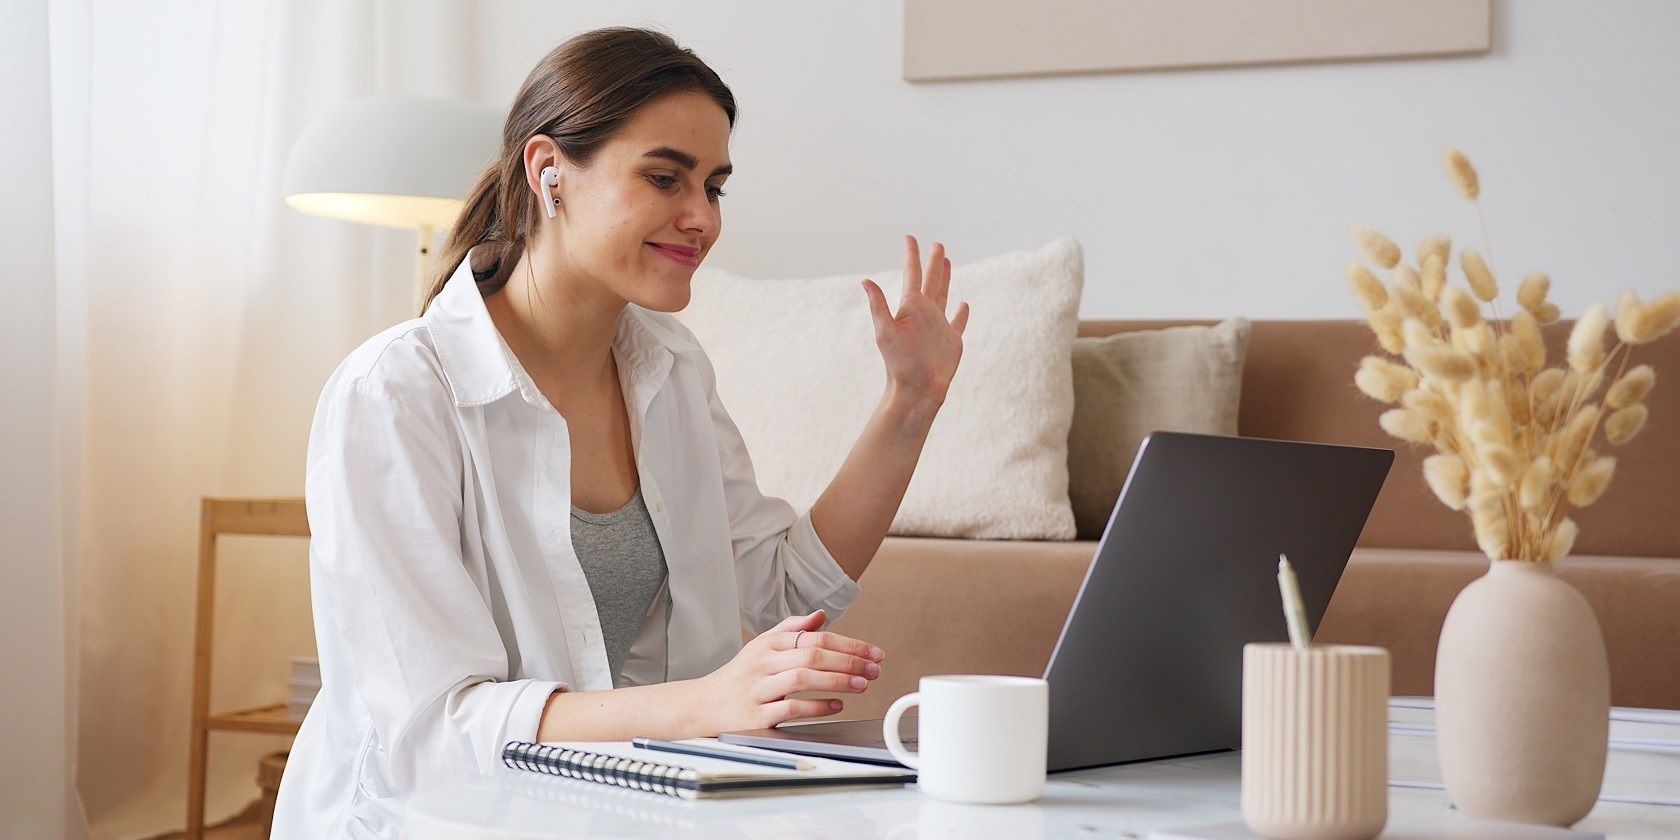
(798, 370)
(1179, 379)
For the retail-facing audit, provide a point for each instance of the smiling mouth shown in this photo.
(676, 256)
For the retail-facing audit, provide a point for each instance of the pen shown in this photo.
(1294, 614)
(720, 752)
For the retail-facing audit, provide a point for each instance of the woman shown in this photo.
(532, 518)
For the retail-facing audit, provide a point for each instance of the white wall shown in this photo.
(35, 798)
(1195, 193)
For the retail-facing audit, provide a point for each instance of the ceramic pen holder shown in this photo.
(1315, 741)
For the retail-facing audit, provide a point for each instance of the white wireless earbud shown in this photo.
(550, 178)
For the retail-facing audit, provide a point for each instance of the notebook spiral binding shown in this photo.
(651, 776)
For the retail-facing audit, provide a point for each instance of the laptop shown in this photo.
(1149, 661)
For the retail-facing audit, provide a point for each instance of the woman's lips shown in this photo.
(676, 256)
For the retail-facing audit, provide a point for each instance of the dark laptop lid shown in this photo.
(1149, 663)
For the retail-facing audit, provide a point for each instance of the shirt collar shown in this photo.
(480, 367)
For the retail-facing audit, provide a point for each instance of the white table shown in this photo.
(1123, 802)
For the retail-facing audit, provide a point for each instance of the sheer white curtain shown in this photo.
(211, 314)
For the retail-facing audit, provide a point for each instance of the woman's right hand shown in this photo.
(751, 691)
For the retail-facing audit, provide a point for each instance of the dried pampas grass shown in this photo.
(1385, 324)
(1531, 293)
(1478, 274)
(1433, 276)
(1562, 540)
(1381, 379)
(1531, 350)
(1643, 323)
(1429, 404)
(1513, 438)
(1405, 425)
(1463, 174)
(1370, 291)
(1379, 248)
(1590, 483)
(1624, 423)
(1462, 309)
(1586, 340)
(1632, 388)
(1536, 481)
(1448, 478)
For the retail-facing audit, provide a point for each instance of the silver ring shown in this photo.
(796, 639)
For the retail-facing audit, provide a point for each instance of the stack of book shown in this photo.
(302, 686)
(1641, 768)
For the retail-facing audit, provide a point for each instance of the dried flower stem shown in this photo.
(1486, 245)
(1561, 493)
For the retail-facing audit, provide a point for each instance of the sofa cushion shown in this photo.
(1298, 385)
(1178, 379)
(798, 369)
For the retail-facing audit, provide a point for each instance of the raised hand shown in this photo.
(919, 345)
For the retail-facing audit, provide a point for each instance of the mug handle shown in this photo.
(889, 730)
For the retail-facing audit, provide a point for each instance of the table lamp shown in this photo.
(396, 161)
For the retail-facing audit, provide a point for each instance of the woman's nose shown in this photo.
(700, 215)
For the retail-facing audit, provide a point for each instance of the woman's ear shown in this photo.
(543, 164)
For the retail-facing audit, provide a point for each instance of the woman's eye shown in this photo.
(666, 182)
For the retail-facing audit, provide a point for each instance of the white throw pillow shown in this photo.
(798, 370)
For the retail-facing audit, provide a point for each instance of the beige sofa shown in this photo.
(978, 606)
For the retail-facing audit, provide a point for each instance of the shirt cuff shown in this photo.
(525, 715)
(831, 588)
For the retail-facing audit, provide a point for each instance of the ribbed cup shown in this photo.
(1315, 741)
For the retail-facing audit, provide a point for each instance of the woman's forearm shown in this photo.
(663, 710)
(853, 514)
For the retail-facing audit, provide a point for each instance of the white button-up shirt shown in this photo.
(448, 601)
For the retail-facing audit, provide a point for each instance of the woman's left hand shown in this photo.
(920, 347)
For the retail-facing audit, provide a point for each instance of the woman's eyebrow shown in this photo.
(686, 160)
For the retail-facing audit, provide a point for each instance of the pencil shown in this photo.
(707, 751)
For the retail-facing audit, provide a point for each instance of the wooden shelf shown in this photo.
(271, 719)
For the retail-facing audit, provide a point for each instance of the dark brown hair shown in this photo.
(580, 95)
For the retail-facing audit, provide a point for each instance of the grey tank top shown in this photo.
(625, 567)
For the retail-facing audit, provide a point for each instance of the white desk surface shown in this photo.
(1126, 801)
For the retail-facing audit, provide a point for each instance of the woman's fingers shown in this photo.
(912, 266)
(795, 623)
(830, 641)
(810, 679)
(938, 276)
(786, 710)
(879, 312)
(822, 659)
(945, 283)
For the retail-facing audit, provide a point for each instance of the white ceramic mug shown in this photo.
(982, 738)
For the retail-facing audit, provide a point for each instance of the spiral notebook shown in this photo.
(619, 764)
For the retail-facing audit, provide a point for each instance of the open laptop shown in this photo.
(1149, 662)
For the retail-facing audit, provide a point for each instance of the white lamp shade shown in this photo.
(397, 161)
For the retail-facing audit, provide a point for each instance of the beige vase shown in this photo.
(1522, 698)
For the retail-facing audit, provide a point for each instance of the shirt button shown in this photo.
(659, 507)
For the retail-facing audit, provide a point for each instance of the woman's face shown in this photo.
(656, 183)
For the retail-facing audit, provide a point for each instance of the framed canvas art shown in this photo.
(969, 39)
